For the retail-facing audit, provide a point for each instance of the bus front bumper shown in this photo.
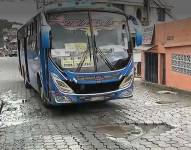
(58, 98)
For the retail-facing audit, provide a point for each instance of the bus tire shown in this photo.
(27, 85)
(43, 99)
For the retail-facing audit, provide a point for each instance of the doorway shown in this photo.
(151, 67)
(163, 69)
(139, 69)
(26, 59)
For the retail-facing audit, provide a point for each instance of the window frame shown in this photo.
(161, 14)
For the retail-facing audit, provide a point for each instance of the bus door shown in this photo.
(19, 54)
(33, 60)
(26, 60)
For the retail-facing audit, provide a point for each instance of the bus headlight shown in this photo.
(61, 85)
(127, 81)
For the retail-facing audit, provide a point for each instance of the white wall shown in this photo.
(130, 10)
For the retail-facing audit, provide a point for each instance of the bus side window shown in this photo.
(34, 39)
(19, 47)
(37, 30)
(35, 26)
(22, 46)
(28, 30)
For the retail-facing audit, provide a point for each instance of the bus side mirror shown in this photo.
(138, 29)
(45, 37)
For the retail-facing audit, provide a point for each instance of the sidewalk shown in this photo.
(164, 87)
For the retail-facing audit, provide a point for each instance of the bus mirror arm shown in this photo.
(45, 35)
(138, 29)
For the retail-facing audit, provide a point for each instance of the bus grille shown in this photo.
(94, 88)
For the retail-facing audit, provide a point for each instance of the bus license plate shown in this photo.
(101, 98)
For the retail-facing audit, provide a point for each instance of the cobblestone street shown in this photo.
(149, 120)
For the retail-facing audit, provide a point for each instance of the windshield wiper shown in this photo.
(102, 55)
(95, 57)
(84, 56)
(95, 49)
(104, 58)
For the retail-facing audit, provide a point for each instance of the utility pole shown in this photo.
(147, 7)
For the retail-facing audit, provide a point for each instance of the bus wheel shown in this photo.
(27, 85)
(43, 99)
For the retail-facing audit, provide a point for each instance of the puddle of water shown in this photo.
(165, 102)
(119, 130)
(167, 92)
(132, 131)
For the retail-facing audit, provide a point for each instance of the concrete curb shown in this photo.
(163, 87)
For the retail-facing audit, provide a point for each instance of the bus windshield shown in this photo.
(89, 41)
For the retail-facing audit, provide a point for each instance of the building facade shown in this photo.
(147, 11)
(168, 61)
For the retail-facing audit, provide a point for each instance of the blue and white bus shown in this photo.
(77, 53)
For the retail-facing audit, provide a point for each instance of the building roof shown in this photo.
(83, 6)
(154, 3)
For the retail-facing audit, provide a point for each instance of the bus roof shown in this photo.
(77, 7)
(54, 8)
